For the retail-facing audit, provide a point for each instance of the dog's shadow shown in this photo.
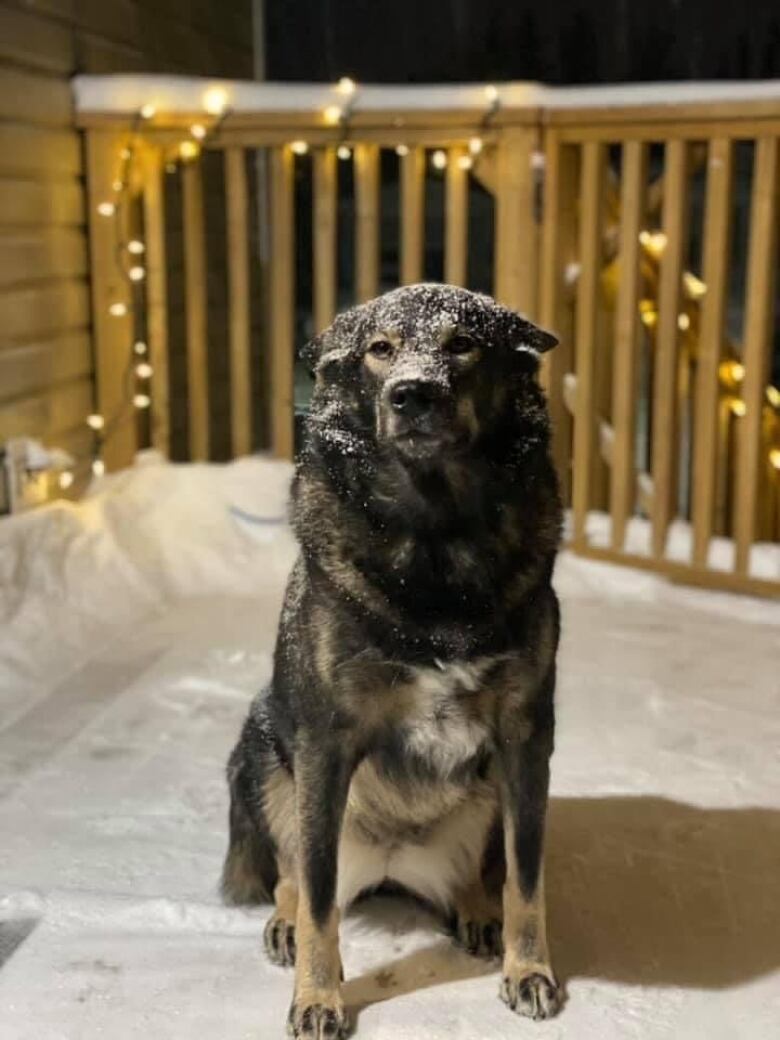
(640, 890)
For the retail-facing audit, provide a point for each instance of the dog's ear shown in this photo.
(311, 352)
(523, 335)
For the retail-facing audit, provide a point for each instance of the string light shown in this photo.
(731, 372)
(475, 145)
(148, 111)
(189, 150)
(299, 147)
(465, 162)
(106, 209)
(439, 159)
(402, 150)
(346, 86)
(139, 348)
(683, 322)
(332, 115)
(738, 407)
(694, 286)
(343, 152)
(118, 310)
(95, 421)
(773, 396)
(135, 246)
(98, 467)
(491, 94)
(124, 153)
(215, 101)
(117, 186)
(774, 457)
(65, 479)
(142, 400)
(198, 131)
(144, 370)
(136, 274)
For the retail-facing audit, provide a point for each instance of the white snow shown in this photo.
(134, 628)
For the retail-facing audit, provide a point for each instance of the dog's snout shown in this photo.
(412, 397)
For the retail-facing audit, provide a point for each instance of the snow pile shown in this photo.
(71, 575)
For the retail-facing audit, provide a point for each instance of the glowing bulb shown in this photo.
(144, 370)
(439, 159)
(198, 131)
(346, 86)
(737, 370)
(95, 421)
(98, 467)
(117, 185)
(215, 101)
(402, 150)
(65, 479)
(148, 111)
(738, 407)
(773, 396)
(106, 209)
(142, 400)
(189, 150)
(774, 457)
(343, 152)
(299, 148)
(136, 274)
(135, 246)
(332, 115)
(118, 310)
(125, 154)
(694, 286)
(683, 322)
(475, 145)
(139, 347)
(465, 162)
(491, 94)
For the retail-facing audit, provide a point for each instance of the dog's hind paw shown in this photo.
(534, 995)
(479, 938)
(317, 1022)
(279, 940)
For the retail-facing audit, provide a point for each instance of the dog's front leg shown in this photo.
(529, 985)
(322, 773)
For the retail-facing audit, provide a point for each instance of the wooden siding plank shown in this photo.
(56, 253)
(42, 310)
(665, 459)
(29, 98)
(716, 251)
(626, 356)
(28, 370)
(32, 150)
(37, 42)
(46, 415)
(590, 250)
(759, 314)
(41, 202)
(367, 221)
(237, 216)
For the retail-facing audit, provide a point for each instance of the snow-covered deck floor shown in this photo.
(664, 840)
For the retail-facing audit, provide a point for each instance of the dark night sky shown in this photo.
(555, 41)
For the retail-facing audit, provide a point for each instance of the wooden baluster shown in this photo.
(717, 247)
(759, 311)
(325, 255)
(456, 218)
(282, 293)
(625, 367)
(238, 216)
(367, 217)
(157, 294)
(590, 253)
(516, 231)
(412, 216)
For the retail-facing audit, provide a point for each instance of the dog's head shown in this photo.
(421, 372)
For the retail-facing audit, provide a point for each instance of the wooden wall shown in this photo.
(45, 347)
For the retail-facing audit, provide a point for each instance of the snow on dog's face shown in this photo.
(421, 371)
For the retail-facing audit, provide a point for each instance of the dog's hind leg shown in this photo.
(250, 873)
(477, 910)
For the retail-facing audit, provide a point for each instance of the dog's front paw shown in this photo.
(279, 940)
(534, 994)
(318, 1021)
(479, 938)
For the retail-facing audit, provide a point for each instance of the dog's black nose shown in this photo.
(412, 398)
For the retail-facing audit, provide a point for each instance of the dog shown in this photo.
(406, 734)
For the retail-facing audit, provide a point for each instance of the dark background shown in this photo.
(555, 41)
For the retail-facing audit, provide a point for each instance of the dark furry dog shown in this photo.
(407, 731)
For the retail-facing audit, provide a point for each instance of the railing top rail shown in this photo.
(120, 97)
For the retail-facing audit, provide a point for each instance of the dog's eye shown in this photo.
(460, 345)
(381, 348)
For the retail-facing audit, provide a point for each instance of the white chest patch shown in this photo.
(444, 727)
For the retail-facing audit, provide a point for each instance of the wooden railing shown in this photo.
(666, 419)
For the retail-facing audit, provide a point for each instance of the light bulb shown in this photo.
(142, 400)
(106, 209)
(439, 159)
(683, 322)
(135, 246)
(343, 152)
(215, 101)
(144, 370)
(95, 421)
(139, 347)
(98, 467)
(402, 150)
(299, 147)
(136, 274)
(332, 115)
(475, 145)
(65, 479)
(117, 310)
(491, 94)
(189, 150)
(125, 154)
(148, 111)
(738, 407)
(465, 162)
(198, 131)
(346, 86)
(117, 185)
(774, 457)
